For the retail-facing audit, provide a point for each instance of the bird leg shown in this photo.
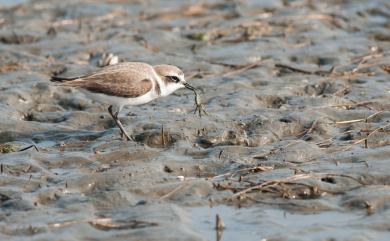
(118, 123)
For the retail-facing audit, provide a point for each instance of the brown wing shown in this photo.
(128, 80)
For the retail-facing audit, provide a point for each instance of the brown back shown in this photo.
(128, 80)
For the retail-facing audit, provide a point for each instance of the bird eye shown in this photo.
(174, 79)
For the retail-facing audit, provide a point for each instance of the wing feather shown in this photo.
(128, 80)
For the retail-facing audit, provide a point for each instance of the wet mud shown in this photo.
(295, 145)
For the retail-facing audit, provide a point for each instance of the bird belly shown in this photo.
(118, 101)
(143, 99)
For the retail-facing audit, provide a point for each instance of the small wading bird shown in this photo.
(130, 83)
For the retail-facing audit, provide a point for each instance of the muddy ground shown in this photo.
(295, 145)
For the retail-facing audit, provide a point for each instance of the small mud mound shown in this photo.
(17, 38)
(47, 117)
(272, 101)
(320, 89)
(157, 139)
(226, 138)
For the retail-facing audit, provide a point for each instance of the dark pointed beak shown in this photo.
(188, 86)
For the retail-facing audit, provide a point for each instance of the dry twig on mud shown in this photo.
(354, 105)
(366, 138)
(359, 120)
(104, 224)
(302, 71)
(242, 69)
(308, 130)
(242, 172)
(292, 180)
(29, 147)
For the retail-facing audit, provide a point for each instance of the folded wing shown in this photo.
(123, 80)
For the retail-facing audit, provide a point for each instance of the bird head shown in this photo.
(172, 77)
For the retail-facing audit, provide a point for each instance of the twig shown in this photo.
(349, 106)
(182, 185)
(267, 183)
(250, 169)
(162, 136)
(30, 146)
(219, 225)
(308, 131)
(293, 69)
(359, 120)
(371, 133)
(302, 71)
(240, 70)
(290, 180)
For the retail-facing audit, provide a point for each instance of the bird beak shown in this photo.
(188, 86)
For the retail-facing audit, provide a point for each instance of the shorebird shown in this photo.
(130, 83)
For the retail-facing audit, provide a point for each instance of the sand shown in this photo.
(295, 145)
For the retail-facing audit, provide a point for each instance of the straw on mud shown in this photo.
(333, 137)
(219, 224)
(240, 70)
(303, 71)
(247, 170)
(108, 224)
(219, 227)
(105, 17)
(286, 191)
(266, 183)
(368, 135)
(220, 154)
(309, 130)
(275, 150)
(350, 106)
(366, 140)
(163, 142)
(104, 224)
(359, 120)
(235, 71)
(28, 168)
(178, 188)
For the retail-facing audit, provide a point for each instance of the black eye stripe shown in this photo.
(174, 78)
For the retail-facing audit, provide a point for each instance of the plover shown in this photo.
(130, 83)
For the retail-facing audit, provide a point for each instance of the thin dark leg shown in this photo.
(118, 123)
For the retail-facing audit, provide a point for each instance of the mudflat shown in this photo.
(295, 145)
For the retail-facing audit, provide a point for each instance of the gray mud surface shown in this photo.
(295, 146)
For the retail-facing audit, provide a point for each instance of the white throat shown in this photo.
(169, 88)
